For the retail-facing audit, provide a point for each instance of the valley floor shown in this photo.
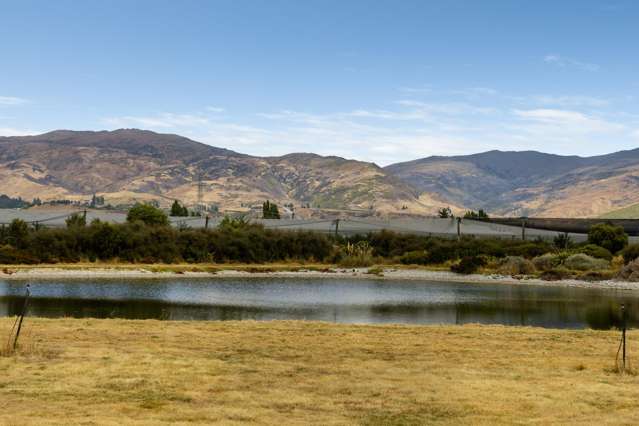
(79, 371)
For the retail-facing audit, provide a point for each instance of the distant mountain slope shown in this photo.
(630, 212)
(529, 182)
(127, 165)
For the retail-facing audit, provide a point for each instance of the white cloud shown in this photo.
(570, 101)
(449, 123)
(11, 101)
(573, 120)
(8, 131)
(564, 62)
(164, 120)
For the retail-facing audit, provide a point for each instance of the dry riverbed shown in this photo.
(114, 372)
(389, 273)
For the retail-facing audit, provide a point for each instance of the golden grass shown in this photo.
(150, 372)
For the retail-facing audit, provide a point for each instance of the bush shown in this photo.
(469, 264)
(583, 262)
(415, 258)
(609, 236)
(562, 241)
(595, 251)
(76, 219)
(630, 272)
(630, 253)
(556, 274)
(548, 261)
(148, 214)
(357, 255)
(12, 256)
(516, 265)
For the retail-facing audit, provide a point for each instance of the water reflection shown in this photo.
(347, 301)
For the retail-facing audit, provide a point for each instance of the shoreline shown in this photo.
(385, 274)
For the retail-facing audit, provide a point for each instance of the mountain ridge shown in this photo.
(130, 165)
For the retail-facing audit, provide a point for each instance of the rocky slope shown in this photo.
(529, 183)
(131, 165)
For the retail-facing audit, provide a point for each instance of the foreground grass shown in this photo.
(150, 372)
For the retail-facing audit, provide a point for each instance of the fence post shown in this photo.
(623, 336)
(22, 314)
(336, 227)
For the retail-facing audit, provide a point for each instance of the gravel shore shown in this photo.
(388, 274)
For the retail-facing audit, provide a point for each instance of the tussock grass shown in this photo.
(298, 373)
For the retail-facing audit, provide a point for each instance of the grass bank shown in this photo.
(149, 372)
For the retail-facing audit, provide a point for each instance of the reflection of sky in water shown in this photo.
(340, 300)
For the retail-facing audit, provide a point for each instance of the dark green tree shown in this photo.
(270, 210)
(178, 210)
(148, 214)
(608, 236)
(18, 233)
(76, 220)
(445, 213)
(471, 214)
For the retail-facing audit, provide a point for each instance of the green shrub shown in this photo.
(548, 261)
(562, 241)
(148, 214)
(583, 262)
(12, 256)
(630, 272)
(516, 265)
(469, 264)
(609, 236)
(556, 274)
(594, 251)
(630, 253)
(358, 255)
(415, 258)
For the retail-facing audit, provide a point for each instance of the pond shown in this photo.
(367, 301)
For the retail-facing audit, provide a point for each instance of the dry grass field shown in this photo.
(76, 371)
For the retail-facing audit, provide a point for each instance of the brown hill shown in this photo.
(529, 183)
(129, 165)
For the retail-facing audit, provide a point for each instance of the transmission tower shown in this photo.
(200, 193)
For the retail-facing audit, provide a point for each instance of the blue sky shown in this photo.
(380, 81)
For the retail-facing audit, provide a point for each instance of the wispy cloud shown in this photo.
(164, 120)
(8, 131)
(570, 101)
(573, 120)
(12, 100)
(444, 122)
(565, 62)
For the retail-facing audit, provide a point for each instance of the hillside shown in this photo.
(529, 183)
(132, 165)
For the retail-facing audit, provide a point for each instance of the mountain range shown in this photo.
(129, 165)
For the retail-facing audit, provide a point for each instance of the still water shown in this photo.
(337, 300)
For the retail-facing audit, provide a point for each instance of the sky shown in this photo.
(381, 81)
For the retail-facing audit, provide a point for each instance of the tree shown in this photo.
(445, 213)
(77, 220)
(18, 233)
(471, 214)
(178, 210)
(562, 241)
(148, 214)
(270, 210)
(608, 236)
